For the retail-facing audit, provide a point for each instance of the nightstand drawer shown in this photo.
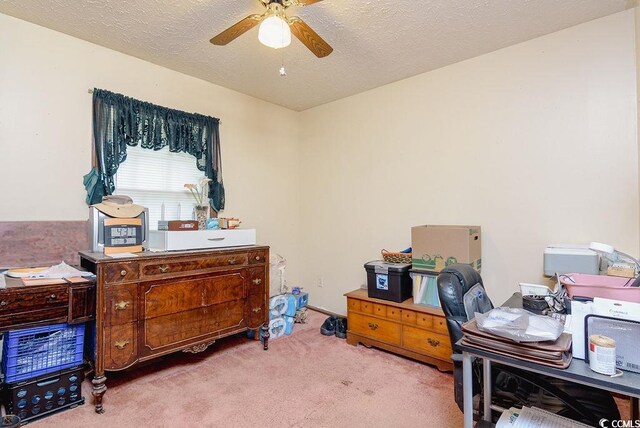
(375, 328)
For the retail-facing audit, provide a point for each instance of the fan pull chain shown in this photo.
(283, 72)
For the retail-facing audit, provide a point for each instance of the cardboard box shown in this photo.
(435, 247)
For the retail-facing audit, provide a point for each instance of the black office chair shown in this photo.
(459, 286)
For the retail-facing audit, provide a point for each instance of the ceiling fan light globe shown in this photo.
(274, 32)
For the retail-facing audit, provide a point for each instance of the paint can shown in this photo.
(602, 354)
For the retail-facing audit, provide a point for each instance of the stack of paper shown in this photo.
(532, 417)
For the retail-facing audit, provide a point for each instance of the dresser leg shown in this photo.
(99, 388)
(264, 330)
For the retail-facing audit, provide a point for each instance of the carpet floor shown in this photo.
(303, 380)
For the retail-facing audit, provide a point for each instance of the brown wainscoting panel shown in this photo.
(41, 243)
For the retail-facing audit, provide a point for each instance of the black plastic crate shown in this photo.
(388, 281)
(45, 395)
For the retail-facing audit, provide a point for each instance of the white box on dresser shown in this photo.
(199, 239)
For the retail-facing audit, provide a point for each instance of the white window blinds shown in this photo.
(152, 178)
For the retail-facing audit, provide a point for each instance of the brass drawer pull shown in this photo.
(53, 296)
(257, 281)
(232, 261)
(373, 326)
(433, 342)
(257, 258)
(123, 272)
(120, 344)
(256, 310)
(122, 305)
(163, 269)
(3, 303)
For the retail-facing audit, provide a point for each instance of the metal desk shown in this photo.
(578, 372)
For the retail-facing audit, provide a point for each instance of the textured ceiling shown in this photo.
(375, 42)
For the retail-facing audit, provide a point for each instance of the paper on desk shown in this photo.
(532, 417)
(61, 270)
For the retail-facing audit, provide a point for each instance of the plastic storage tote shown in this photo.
(609, 287)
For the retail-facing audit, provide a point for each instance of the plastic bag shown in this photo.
(519, 325)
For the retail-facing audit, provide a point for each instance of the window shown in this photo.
(152, 178)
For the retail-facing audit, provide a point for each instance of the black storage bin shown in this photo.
(388, 281)
(44, 395)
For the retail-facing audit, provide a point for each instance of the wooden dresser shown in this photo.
(415, 331)
(158, 303)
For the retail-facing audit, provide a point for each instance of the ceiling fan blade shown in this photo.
(236, 30)
(309, 38)
(304, 2)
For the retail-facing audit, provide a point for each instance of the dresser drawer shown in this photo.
(394, 313)
(375, 328)
(424, 320)
(121, 304)
(171, 297)
(167, 332)
(120, 346)
(353, 305)
(379, 310)
(409, 317)
(172, 267)
(426, 342)
(35, 299)
(366, 307)
(256, 280)
(256, 310)
(440, 324)
(256, 257)
(120, 272)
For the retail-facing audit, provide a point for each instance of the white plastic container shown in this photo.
(200, 239)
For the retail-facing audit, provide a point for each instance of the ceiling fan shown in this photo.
(276, 28)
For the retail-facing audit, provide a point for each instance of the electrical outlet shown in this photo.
(320, 282)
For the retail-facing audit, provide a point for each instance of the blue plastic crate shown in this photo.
(37, 351)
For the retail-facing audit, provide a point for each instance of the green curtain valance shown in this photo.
(120, 121)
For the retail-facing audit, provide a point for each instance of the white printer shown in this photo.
(570, 258)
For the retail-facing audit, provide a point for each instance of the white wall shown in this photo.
(45, 132)
(536, 143)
